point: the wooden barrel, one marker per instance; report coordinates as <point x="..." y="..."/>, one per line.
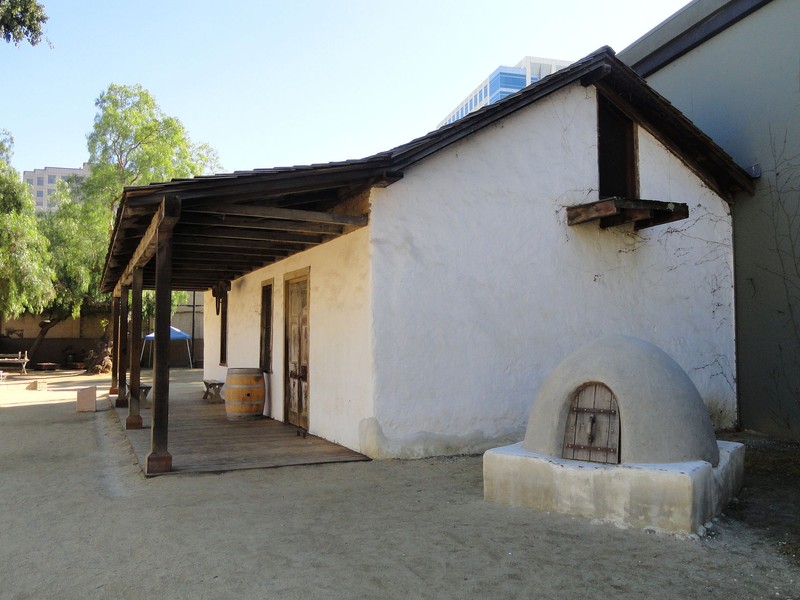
<point x="244" y="394"/>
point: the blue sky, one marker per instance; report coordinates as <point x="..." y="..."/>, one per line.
<point x="283" y="83"/>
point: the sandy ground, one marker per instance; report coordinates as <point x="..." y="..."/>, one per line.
<point x="78" y="520"/>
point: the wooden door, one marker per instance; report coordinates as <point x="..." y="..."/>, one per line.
<point x="593" y="431"/>
<point x="296" y="399"/>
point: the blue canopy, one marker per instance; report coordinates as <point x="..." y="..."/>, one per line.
<point x="174" y="334"/>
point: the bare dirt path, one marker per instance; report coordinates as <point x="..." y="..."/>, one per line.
<point x="78" y="520"/>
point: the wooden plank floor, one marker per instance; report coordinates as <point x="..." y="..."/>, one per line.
<point x="201" y="440"/>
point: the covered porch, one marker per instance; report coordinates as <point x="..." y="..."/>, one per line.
<point x="203" y="441"/>
<point x="202" y="234"/>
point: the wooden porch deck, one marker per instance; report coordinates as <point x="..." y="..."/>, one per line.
<point x="201" y="440"/>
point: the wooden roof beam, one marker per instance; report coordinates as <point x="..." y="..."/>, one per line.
<point x="230" y="244"/>
<point x="165" y="218"/>
<point x="221" y="219"/>
<point x="224" y="233"/>
<point x="249" y="210"/>
<point x="242" y="256"/>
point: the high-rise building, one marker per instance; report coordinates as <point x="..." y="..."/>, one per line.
<point x="42" y="183"/>
<point x="504" y="82"/>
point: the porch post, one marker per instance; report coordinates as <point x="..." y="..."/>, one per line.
<point x="134" y="420"/>
<point x="122" y="353"/>
<point x="114" y="344"/>
<point x="160" y="460"/>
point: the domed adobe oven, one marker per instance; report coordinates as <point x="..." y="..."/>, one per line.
<point x="619" y="432"/>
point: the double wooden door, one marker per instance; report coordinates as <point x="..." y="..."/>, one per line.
<point x="296" y="398"/>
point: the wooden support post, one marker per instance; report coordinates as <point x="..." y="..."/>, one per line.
<point x="114" y="344"/>
<point x="122" y="353"/>
<point x="134" y="419"/>
<point x="160" y="460"/>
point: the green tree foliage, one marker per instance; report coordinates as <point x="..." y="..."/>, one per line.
<point x="78" y="236"/>
<point x="21" y="20"/>
<point x="77" y="233"/>
<point x="14" y="195"/>
<point x="149" y="304"/>
<point x="51" y="265"/>
<point x="134" y="143"/>
<point x="6" y="145"/>
<point x="25" y="274"/>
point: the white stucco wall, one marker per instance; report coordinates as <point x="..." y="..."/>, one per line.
<point x="480" y="288"/>
<point x="340" y="364"/>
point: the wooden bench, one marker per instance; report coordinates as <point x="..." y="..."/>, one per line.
<point x="20" y="358"/>
<point x="213" y="389"/>
<point x="144" y="389"/>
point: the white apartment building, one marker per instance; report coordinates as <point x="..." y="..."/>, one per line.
<point x="42" y="183"/>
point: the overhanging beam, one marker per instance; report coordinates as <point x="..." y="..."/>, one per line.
<point x="250" y="234"/>
<point x="281" y="213"/>
<point x="167" y="214"/>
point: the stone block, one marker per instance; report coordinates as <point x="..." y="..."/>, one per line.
<point x="87" y="399"/>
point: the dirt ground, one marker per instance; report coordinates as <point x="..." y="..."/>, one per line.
<point x="78" y="520"/>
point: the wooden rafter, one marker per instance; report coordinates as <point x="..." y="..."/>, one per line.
<point x="221" y="220"/>
<point x="237" y="233"/>
<point x="618" y="211"/>
<point x="271" y="212"/>
<point x="223" y="245"/>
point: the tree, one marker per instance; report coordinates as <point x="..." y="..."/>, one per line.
<point x="20" y="20"/>
<point x="25" y="274"/>
<point x="6" y="146"/>
<point x="77" y="232"/>
<point x="134" y="143"/>
<point x="52" y="265"/>
<point x="13" y="192"/>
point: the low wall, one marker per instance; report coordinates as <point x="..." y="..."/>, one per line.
<point x="54" y="350"/>
<point x="57" y="350"/>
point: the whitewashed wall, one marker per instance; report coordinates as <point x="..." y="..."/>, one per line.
<point x="480" y="288"/>
<point x="340" y="364"/>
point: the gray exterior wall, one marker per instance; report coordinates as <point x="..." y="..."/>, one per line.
<point x="742" y="87"/>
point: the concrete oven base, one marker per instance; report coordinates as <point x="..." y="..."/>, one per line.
<point x="671" y="497"/>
